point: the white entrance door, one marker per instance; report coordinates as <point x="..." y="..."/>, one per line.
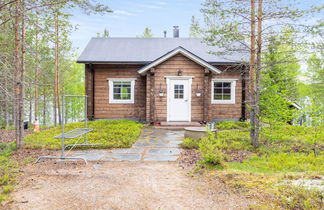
<point x="179" y="100"/>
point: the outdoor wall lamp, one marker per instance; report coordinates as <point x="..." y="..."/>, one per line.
<point x="161" y="91"/>
<point x="198" y="91"/>
<point x="179" y="72"/>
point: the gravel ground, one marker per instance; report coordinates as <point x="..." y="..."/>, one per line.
<point x="119" y="185"/>
<point x="7" y="136"/>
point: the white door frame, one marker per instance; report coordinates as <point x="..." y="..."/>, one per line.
<point x="168" y="79"/>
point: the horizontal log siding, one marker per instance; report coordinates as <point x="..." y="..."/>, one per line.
<point x="227" y="111"/>
<point x="170" y="68"/>
<point x="102" y="107"/>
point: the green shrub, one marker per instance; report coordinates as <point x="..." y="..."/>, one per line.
<point x="8" y="170"/>
<point x="209" y="149"/>
<point x="7" y="189"/>
<point x="190" y="143"/>
<point x="108" y="133"/>
<point x="226" y="125"/>
<point x="234" y="140"/>
<point x="282" y="162"/>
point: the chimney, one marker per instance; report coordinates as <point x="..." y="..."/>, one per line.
<point x="165" y="32"/>
<point x="175" y="31"/>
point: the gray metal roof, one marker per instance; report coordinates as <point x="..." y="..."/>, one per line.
<point x="145" y="50"/>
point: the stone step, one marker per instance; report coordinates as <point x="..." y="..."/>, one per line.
<point x="178" y="125"/>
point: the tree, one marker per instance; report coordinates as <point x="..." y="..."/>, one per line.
<point x="280" y="78"/>
<point x="26" y="59"/>
<point x="105" y="34"/>
<point x="146" y="34"/>
<point x="315" y="70"/>
<point x="229" y="26"/>
<point x="194" y="30"/>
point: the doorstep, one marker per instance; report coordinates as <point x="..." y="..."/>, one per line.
<point x="177" y="125"/>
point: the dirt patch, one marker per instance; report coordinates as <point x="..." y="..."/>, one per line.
<point x="237" y="155"/>
<point x="188" y="158"/>
<point x="21" y="154"/>
<point x="123" y="185"/>
<point x="7" y="136"/>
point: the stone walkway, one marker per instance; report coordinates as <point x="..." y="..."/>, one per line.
<point x="153" y="145"/>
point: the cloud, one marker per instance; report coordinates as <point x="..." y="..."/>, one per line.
<point x="161" y="3"/>
<point x="154" y="5"/>
<point x="123" y="12"/>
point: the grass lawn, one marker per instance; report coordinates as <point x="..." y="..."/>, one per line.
<point x="108" y="133"/>
<point x="287" y="155"/>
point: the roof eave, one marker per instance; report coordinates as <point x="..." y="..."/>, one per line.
<point x="184" y="52"/>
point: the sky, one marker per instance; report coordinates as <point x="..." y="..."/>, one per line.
<point x="131" y="17"/>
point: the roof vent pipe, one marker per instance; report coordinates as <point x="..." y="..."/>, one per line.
<point x="175" y="31"/>
<point x="165" y="32"/>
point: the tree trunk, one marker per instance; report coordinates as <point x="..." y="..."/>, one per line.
<point x="56" y="74"/>
<point x="6" y="102"/>
<point x="30" y="108"/>
<point x="44" y="106"/>
<point x="36" y="70"/>
<point x="22" y="74"/>
<point x="18" y="72"/>
<point x="258" y="75"/>
<point x="252" y="76"/>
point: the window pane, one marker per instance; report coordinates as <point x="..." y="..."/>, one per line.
<point x="218" y="84"/>
<point x="122" y="90"/>
<point x="228" y="91"/>
<point x="178" y="91"/>
<point x="217" y="97"/>
<point x="226" y="97"/>
<point x="222" y="91"/>
<point x="226" y="84"/>
<point x="116" y="96"/>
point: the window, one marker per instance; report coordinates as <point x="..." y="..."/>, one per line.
<point x="178" y="91"/>
<point x="223" y="91"/>
<point x="121" y="90"/>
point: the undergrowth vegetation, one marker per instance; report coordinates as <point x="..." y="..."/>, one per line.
<point x="106" y="133"/>
<point x="284" y="149"/>
<point x="8" y="170"/>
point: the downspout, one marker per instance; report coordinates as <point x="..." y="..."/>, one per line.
<point x="243" y="105"/>
<point x="93" y="89"/>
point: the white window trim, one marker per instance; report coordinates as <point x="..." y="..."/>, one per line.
<point x="233" y="89"/>
<point x="111" y="90"/>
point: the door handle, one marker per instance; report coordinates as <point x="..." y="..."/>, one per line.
<point x="186" y="100"/>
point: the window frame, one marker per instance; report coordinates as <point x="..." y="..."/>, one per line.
<point x="233" y="90"/>
<point x="111" y="91"/>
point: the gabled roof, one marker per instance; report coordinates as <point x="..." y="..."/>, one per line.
<point x="146" y="50"/>
<point x="184" y="52"/>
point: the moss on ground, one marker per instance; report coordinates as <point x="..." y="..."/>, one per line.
<point x="106" y="133"/>
<point x="286" y="152"/>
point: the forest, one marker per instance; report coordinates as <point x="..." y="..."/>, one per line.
<point x="281" y="142"/>
<point x="38" y="60"/>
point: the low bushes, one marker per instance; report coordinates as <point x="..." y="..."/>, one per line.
<point x="108" y="133"/>
<point x="225" y="125"/>
<point x="284" y="151"/>
<point x="210" y="152"/>
<point x="190" y="143"/>
<point x="8" y="170"/>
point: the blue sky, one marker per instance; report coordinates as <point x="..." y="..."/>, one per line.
<point x="130" y="17"/>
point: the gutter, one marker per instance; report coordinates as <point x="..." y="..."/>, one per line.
<point x="93" y="89"/>
<point x="243" y="105"/>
